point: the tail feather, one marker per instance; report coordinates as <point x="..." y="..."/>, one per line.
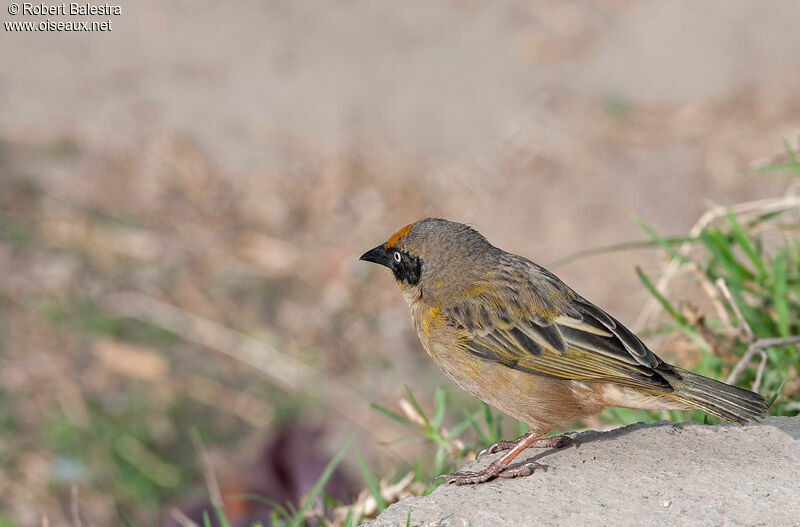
<point x="717" y="398"/>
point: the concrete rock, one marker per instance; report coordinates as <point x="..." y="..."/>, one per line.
<point x="665" y="473"/>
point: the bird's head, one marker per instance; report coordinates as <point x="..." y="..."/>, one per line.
<point x="432" y="253"/>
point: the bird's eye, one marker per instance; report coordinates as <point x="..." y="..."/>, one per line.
<point x="397" y="257"/>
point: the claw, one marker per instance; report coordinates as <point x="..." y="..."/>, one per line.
<point x="459" y="478"/>
<point x="501" y="468"/>
<point x="565" y="441"/>
<point x="522" y="470"/>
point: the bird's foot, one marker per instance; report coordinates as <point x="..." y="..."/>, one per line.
<point x="502" y="468"/>
<point x="547" y="442"/>
<point x="500" y="446"/>
<point x="495" y="469"/>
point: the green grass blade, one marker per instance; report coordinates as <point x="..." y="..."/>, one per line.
<point x="122" y="518"/>
<point x="776" y="394"/>
<point x="439" y="407"/>
<point x="484" y="440"/>
<point x="721" y="248"/>
<point x="221" y="518"/>
<point x="617" y="247"/>
<point x="493" y="423"/>
<point x="746" y="243"/>
<point x="276" y="507"/>
<point x="779" y="293"/>
<point x="439" y="460"/>
<point x="417" y="407"/>
<point x="661" y="241"/>
<point x="349" y="520"/>
<point x="792" y="157"/>
<point x="293" y="512"/>
<point x="372" y="483"/>
<point x="206" y="519"/>
<point x="791" y="166"/>
<point x="418" y="471"/>
<point x="299" y="516"/>
<point x="390" y="414"/>
<point x="679" y="318"/>
<point x="759" y="319"/>
<point x="522" y="428"/>
<point x="458" y="429"/>
<point x="684" y="324"/>
<point x="793" y="253"/>
<point x="768" y="216"/>
<point x="789" y="152"/>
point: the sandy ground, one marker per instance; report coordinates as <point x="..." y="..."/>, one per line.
<point x="282" y="139"/>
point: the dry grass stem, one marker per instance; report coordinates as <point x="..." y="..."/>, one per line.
<point x="746" y="329"/>
<point x="713" y="294"/>
<point x="367" y="506"/>
<point x="139" y="455"/>
<point x="756" y="347"/>
<point x="760" y="371"/>
<point x="74" y="508"/>
<point x="757" y="207"/>
<point x="181" y="518"/>
<point x="411" y="412"/>
<point x="210" y="476"/>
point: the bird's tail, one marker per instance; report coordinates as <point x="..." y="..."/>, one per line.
<point x="731" y="403"/>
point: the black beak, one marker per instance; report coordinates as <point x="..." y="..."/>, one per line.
<point x="377" y="255"/>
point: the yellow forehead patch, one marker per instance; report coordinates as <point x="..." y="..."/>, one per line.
<point x="392" y="242"/>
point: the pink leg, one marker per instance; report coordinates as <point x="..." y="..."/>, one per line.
<point x="500" y="468"/>
<point x="547" y="442"/>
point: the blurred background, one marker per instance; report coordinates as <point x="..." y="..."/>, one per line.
<point x="183" y="201"/>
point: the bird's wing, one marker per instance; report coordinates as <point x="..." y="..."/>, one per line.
<point x="559" y="334"/>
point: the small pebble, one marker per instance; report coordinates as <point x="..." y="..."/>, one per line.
<point x="666" y="503"/>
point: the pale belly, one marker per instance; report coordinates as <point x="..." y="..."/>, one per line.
<point x="543" y="403"/>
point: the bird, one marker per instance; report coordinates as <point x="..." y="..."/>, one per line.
<point x="512" y="334"/>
